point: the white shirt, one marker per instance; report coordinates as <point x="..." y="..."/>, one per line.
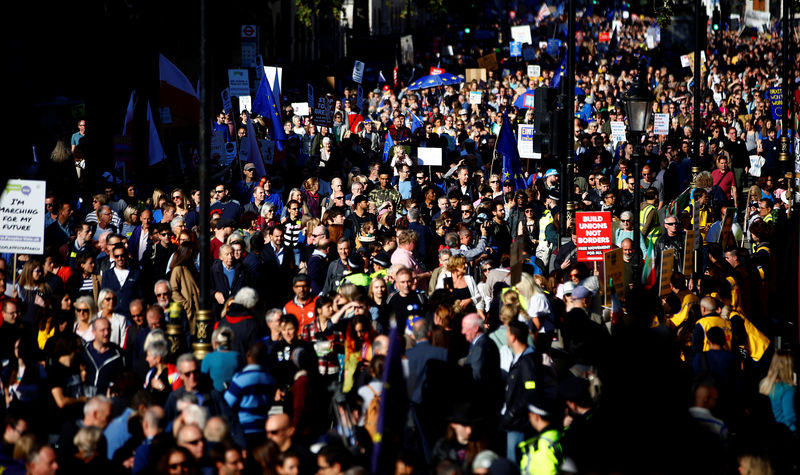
<point x="143" y="238"/>
<point x="121" y="274"/>
<point x="278" y="253"/>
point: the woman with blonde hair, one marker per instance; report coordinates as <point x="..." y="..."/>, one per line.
<point x="312" y="197"/>
<point x="461" y="285"/>
<point x="85" y="309"/>
<point x="32" y="289"/>
<point x="106" y="301"/>
<point x="779" y="386"/>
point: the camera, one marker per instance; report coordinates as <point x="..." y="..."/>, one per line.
<point x="481" y="219"/>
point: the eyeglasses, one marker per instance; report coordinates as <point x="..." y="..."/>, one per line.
<point x="276" y="431"/>
<point x="494" y="181"/>
<point x="529" y="211"/>
<point x="466" y="211"/>
<point x="625" y="220"/>
<point x="177" y="465"/>
<point x="110" y="299"/>
<point x="81" y="310"/>
<point x="192" y="373"/>
<point x="165" y="233"/>
<point x="120" y="256"/>
<point x="177" y="197"/>
<point x="294" y="209"/>
<point x="219" y="191"/>
<point x="671" y="224"/>
<point x="194" y="442"/>
<point x="162" y="294"/>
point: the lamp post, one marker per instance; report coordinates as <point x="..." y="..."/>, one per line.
<point x="638" y="100"/>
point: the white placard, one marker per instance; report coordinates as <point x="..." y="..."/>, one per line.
<point x="525" y="141"/>
<point x="618" y="131"/>
<point x="239" y="82"/>
<point x="245" y="103"/>
<point x="358" y="71"/>
<point x="661" y="124"/>
<point x="227" y="105"/>
<point x="756" y="162"/>
<point x="22" y="217"/>
<point x="534" y="71"/>
<point x="429" y="156"/>
<point x="475" y="97"/>
<point x="522" y="34"/>
<point x="300" y="108"/>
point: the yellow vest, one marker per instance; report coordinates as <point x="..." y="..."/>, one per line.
<point x="687" y="300"/>
<point x="541" y="455"/>
<point x="544" y="221"/>
<point x="757" y="342"/>
<point x="655" y="231"/>
<point x="714" y="321"/>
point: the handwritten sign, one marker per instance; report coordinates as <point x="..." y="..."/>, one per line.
<point x="661" y="124"/>
<point x="593" y="231"/>
<point x="22" y="217"/>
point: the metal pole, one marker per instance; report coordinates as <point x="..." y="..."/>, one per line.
<point x="787" y="100"/>
<point x="699" y="31"/>
<point x="202" y="344"/>
<point x="569" y="154"/>
<point x="637" y="201"/>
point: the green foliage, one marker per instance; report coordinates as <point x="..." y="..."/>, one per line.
<point x="665" y="13"/>
<point x="309" y="10"/>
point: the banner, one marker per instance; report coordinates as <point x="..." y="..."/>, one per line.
<point x="22" y="217"/>
<point x="593" y="231"/>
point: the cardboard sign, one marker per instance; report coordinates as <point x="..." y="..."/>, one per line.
<point x="525" y="141"/>
<point x="479" y="74"/>
<point x="488" y="62"/>
<point x="239" y="82"/>
<point x="614" y="269"/>
<point x="475" y="97"/>
<point x="618" y="131"/>
<point x="661" y="124"/>
<point x="776" y="102"/>
<point x="522" y="34"/>
<point x="245" y="103"/>
<point x="407" y="49"/>
<point x="667" y="256"/>
<point x="300" y="108"/>
<point x="435" y="71"/>
<point x="22" y="217"/>
<point x="593" y="230"/>
<point x="534" y="71"/>
<point x="515" y="49"/>
<point x="429" y="156"/>
<point x="688" y="253"/>
<point x="358" y="72"/>
<point x="227" y="105"/>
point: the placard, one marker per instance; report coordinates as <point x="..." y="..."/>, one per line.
<point x="688" y="253"/>
<point x="525" y="141"/>
<point x="593" y="231"/>
<point x="667" y="256"/>
<point x="488" y="62"/>
<point x="478" y="74"/>
<point x="239" y="82"/>
<point x="614" y="270"/>
<point x="661" y="124"/>
<point x="515" y="49"/>
<point x="407" y="49"/>
<point x="218" y="147"/>
<point x="323" y="111"/>
<point x="528" y="53"/>
<point x="358" y="71"/>
<point x="604" y="37"/>
<point x="434" y="71"/>
<point x="230" y="152"/>
<point x="429" y="156"/>
<point x="300" y="108"/>
<point x="310" y="95"/>
<point x="553" y="45"/>
<point x="227" y="105"/>
<point x="245" y="103"/>
<point x="522" y="33"/>
<point x="534" y="71"/>
<point x="22" y="217"/>
<point x="267" y="151"/>
<point x="475" y="97"/>
<point x="618" y="131"/>
<point x="776" y="102"/>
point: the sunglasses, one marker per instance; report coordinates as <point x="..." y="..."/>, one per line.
<point x="82" y="310"/>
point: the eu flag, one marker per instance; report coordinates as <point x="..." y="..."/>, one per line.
<point x="507" y="148"/>
<point x="562" y="70"/>
<point x="387" y="146"/>
<point x="416" y="122"/>
<point x="264" y="105"/>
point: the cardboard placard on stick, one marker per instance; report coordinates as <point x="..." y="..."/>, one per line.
<point x="516" y="251"/>
<point x="478" y="74"/>
<point x="667" y="258"/>
<point x="614" y="267"/>
<point x="489" y="62"/>
<point x="688" y="253"/>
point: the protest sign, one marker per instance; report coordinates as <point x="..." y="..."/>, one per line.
<point x="239" y="82"/>
<point x="776" y="102"/>
<point x="488" y="62"/>
<point x="230" y="152"/>
<point x="475" y="97"/>
<point x="259" y="67"/>
<point x="323" y="111"/>
<point x="522" y="33"/>
<point x="614" y="270"/>
<point x="525" y="141"/>
<point x="553" y="45"/>
<point x="429" y="156"/>
<point x="688" y="253"/>
<point x="661" y="124"/>
<point x="528" y="53"/>
<point x="407" y="49"/>
<point x="534" y="71"/>
<point x="245" y="103"/>
<point x="358" y="72"/>
<point x="267" y="151"/>
<point x="515" y="49"/>
<point x="593" y="230"/>
<point x="667" y="256"/>
<point x="310" y="95"/>
<point x="218" y="147"/>
<point x="618" y="131"/>
<point x="604" y="37"/>
<point x="434" y="71"/>
<point x="22" y="217"/>
<point x="478" y="74"/>
<point x="227" y="105"/>
<point x="300" y="108"/>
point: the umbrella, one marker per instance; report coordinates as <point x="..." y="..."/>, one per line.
<point x="434" y="80"/>
<point x="524" y="100"/>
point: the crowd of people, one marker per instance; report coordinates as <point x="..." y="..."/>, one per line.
<point x="347" y="261"/>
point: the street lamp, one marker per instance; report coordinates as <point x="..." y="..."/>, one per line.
<point x="638" y="101"/>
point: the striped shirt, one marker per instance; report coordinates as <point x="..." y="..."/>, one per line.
<point x="250" y="395"/>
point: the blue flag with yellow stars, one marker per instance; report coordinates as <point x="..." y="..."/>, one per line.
<point x="507" y="148"/>
<point x="264" y="105"/>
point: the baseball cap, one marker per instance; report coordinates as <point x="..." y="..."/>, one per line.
<point x="386" y="88"/>
<point x="581" y="292"/>
<point x="550" y="172"/>
<point x="249" y="166"/>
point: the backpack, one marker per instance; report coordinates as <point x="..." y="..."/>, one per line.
<point x="373" y="413"/>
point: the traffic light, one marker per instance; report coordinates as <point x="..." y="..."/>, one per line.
<point x="544" y="105"/>
<point x="715" y="19"/>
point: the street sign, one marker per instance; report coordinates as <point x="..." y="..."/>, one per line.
<point x="249" y="31"/>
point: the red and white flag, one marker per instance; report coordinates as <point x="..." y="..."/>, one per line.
<point x="544" y="12"/>
<point x="155" y="151"/>
<point x="177" y="93"/>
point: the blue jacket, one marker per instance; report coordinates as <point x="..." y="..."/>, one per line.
<point x="250" y="395"/>
<point x="127" y="292"/>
